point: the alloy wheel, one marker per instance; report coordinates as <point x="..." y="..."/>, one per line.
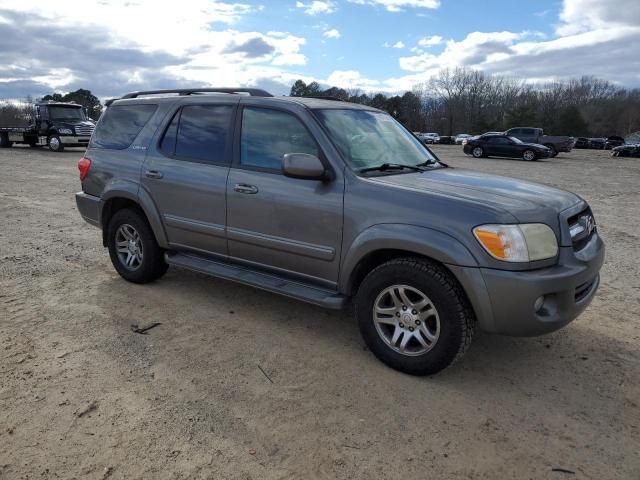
<point x="406" y="320"/>
<point x="129" y="247"/>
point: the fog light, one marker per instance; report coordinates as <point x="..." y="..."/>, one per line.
<point x="539" y="303"/>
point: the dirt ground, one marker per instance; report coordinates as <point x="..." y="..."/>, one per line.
<point x="241" y="384"/>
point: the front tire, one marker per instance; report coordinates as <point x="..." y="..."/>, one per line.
<point x="554" y="152"/>
<point x="133" y="249"/>
<point x="529" y="155"/>
<point x="414" y="316"/>
<point x="54" y="143"/>
<point x="477" y="152"/>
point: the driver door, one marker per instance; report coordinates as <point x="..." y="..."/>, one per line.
<point x="288" y="225"/>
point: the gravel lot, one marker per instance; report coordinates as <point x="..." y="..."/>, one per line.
<point x="241" y="384"/>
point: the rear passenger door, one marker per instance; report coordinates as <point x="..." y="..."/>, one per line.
<point x="289" y="225"/>
<point x="186" y="172"/>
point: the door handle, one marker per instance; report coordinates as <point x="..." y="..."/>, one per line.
<point x="244" y="188"/>
<point x="153" y="174"/>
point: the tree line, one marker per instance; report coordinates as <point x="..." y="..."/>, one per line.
<point x="469" y="101"/>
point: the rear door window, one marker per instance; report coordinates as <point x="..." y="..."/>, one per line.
<point x="199" y="133"/>
<point x="120" y="125"/>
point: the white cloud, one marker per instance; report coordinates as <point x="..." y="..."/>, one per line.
<point x="316" y="6"/>
<point x="430" y="41"/>
<point x="351" y="79"/>
<point x="582" y="15"/>
<point x="290" y="59"/>
<point x="204" y="44"/>
<point x="399" y="5"/>
<point x="333" y="33"/>
<point x="171" y="30"/>
<point x="177" y="47"/>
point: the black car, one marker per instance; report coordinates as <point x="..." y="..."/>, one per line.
<point x="631" y="150"/>
<point x="505" y="146"/>
<point x="581" y="142"/>
<point x="447" y="140"/>
<point x="597" y="143"/>
<point x="613" y="141"/>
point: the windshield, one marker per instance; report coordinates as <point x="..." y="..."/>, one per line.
<point x="369" y="139"/>
<point x="515" y="140"/>
<point x="66" y="113"/>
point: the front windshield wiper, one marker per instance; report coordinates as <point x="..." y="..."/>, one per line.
<point x="392" y="166"/>
<point x="431" y="163"/>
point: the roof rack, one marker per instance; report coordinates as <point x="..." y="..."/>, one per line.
<point x="325" y="97"/>
<point x="254" y="92"/>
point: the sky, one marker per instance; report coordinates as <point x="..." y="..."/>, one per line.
<point x="116" y="46"/>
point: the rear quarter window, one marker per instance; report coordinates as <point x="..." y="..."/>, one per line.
<point x="120" y="125"/>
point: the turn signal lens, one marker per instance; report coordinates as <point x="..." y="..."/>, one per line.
<point x="518" y="243"/>
<point x="504" y="242"/>
<point x="83" y="166"/>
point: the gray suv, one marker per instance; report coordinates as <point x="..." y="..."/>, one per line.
<point x="336" y="204"/>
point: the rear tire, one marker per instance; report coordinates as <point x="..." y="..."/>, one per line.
<point x="133" y="249"/>
<point x="54" y="143"/>
<point x="4" y="140"/>
<point x="529" y="155"/>
<point x="477" y="152"/>
<point x="438" y="321"/>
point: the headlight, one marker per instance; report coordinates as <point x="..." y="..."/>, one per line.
<point x="65" y="131"/>
<point x="527" y="242"/>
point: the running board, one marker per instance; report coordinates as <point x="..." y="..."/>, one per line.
<point x="264" y="281"/>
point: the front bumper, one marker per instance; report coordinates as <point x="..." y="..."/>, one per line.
<point x="90" y="207"/>
<point x="74" y="141"/>
<point x="504" y="301"/>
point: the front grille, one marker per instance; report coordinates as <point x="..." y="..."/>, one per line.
<point x="582" y="226"/>
<point x="84" y="130"/>
<point x="583" y="290"/>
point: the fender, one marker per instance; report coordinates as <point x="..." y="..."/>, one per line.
<point x="420" y="240"/>
<point x="130" y="191"/>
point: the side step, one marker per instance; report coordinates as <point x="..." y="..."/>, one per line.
<point x="261" y="280"/>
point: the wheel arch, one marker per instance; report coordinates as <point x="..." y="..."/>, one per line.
<point x="115" y="200"/>
<point x="381" y="243"/>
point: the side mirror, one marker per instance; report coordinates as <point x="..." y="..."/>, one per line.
<point x="303" y="166"/>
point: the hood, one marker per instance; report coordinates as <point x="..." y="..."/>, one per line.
<point x="535" y="145"/>
<point x="522" y="199"/>
<point x="74" y="123"/>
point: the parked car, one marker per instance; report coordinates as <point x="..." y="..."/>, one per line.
<point x="446" y="140"/>
<point x="536" y="135"/>
<point x="628" y="150"/>
<point x="581" y="142"/>
<point x="597" y="143"/>
<point x="305" y="198"/>
<point x="613" y="141"/>
<point x="430" y="138"/>
<point x="461" y="137"/>
<point x="504" y="146"/>
<point x="54" y="124"/>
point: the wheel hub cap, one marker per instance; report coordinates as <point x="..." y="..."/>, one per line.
<point x="406" y="320"/>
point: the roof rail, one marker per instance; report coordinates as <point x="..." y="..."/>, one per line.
<point x="325" y="97"/>
<point x="254" y="92"/>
